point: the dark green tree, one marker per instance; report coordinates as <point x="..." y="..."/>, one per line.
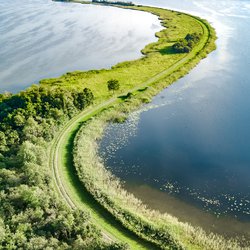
<point x="186" y="45"/>
<point x="113" y="85"/>
<point x="3" y="143"/>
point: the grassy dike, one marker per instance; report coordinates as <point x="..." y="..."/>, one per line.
<point x="89" y="186"/>
<point x="73" y="192"/>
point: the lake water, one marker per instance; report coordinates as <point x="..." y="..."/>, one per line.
<point x="188" y="152"/>
<point x="41" y="38"/>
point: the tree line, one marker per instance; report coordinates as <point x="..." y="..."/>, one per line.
<point x="122" y="3"/>
<point x="31" y="214"/>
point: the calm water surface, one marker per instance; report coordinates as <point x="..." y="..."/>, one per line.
<point x="193" y="141"/>
<point x="41" y="38"/>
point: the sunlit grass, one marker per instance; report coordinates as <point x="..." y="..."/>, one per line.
<point x="157" y="57"/>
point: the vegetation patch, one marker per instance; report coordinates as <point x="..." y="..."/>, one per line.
<point x="32" y="216"/>
<point x="122" y="3"/>
<point x="186" y="45"/>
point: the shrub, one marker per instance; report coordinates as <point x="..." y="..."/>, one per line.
<point x="186" y="45"/>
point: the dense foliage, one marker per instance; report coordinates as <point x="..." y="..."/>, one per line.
<point x="31" y="215"/>
<point x="113" y="85"/>
<point x="186" y="45"/>
<point x="37" y="113"/>
<point x="122" y="3"/>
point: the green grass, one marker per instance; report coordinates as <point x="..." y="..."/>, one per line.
<point x="84" y="200"/>
<point x="158" y="57"/>
<point x="70" y="187"/>
<point x="144" y="78"/>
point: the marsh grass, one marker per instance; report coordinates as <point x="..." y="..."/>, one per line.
<point x="162" y="229"/>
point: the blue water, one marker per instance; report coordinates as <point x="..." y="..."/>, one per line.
<point x="193" y="140"/>
<point x="41" y="38"/>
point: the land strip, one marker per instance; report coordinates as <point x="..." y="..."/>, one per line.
<point x="65" y="177"/>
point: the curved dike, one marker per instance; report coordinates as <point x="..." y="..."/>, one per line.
<point x="66" y="180"/>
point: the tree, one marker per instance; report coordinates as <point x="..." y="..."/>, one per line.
<point x="83" y="99"/>
<point x="186" y="45"/>
<point x="19" y="120"/>
<point x="113" y="85"/>
<point x="31" y="130"/>
<point x="3" y="143"/>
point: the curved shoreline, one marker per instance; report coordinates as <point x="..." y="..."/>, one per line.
<point x="155" y="199"/>
<point x="153" y="92"/>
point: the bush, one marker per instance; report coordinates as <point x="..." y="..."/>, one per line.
<point x="31" y="215"/>
<point x="186" y="45"/>
<point x="113" y="85"/>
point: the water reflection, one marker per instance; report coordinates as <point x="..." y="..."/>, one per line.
<point x="46" y="39"/>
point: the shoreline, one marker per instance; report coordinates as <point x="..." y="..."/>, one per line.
<point x="101" y="54"/>
<point x="99" y="139"/>
<point x="226" y="226"/>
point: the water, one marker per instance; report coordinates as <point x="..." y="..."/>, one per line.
<point x="192" y="142"/>
<point x="41" y="39"/>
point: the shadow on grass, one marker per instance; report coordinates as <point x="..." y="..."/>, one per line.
<point x="167" y="51"/>
<point x="143" y="89"/>
<point x="128" y="96"/>
<point x="123" y="97"/>
<point x="89" y="200"/>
